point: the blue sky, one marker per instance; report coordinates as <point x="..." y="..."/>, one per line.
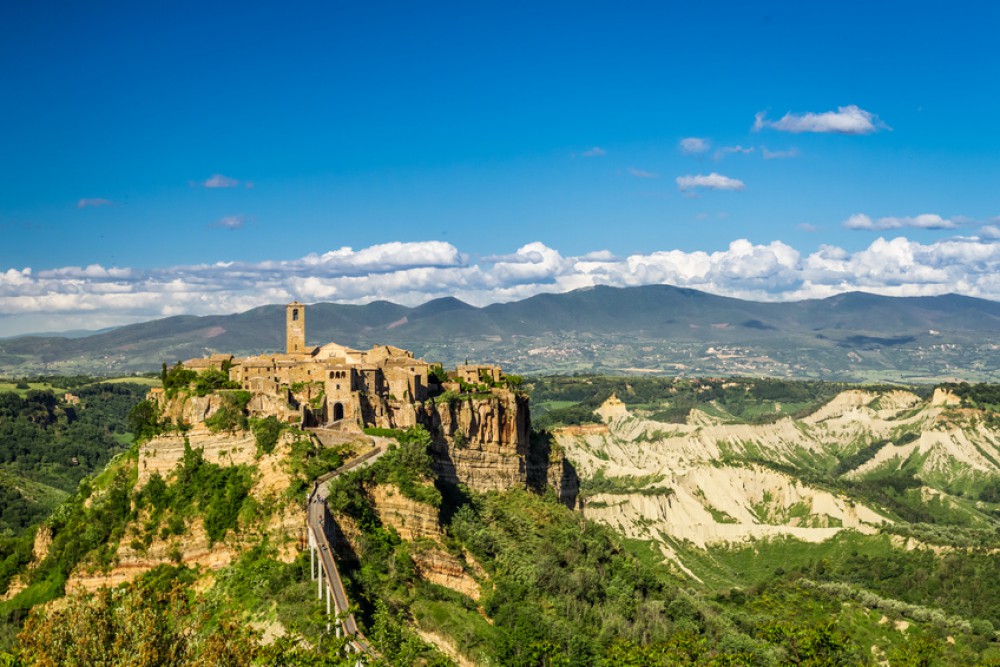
<point x="164" y="158"/>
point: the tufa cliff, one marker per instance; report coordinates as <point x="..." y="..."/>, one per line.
<point x="479" y="420"/>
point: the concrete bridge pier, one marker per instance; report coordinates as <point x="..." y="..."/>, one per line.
<point x="312" y="556"/>
<point x="329" y="594"/>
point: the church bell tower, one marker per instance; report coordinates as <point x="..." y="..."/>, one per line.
<point x="295" y="328"/>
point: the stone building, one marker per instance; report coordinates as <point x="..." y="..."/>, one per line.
<point x="331" y="384"/>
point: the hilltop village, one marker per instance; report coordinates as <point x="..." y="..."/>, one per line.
<point x="479" y="420"/>
<point x="333" y="386"/>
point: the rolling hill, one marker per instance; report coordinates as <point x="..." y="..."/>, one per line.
<point x="654" y="328"/>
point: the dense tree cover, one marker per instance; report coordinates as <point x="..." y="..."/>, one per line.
<point x="231" y="415"/>
<point x="562" y="590"/>
<point x="965" y="583"/>
<point x="308" y="460"/>
<point x="980" y="395"/>
<point x="407" y="465"/>
<point x="804" y="624"/>
<point x="93" y="522"/>
<point x="16" y="510"/>
<point x="144" y="420"/>
<point x="559" y="589"/>
<point x="89" y="524"/>
<point x="177" y="378"/>
<point x="156" y="622"/>
<point x="54" y="443"/>
<point x="66" y="382"/>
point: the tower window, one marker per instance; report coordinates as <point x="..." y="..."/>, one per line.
<point x="295" y="315"/>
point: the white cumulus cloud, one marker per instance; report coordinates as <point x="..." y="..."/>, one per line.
<point x="642" y="173"/>
<point x="845" y="120"/>
<point x="733" y="150"/>
<point x="779" y="155"/>
<point x="410" y="273"/>
<point x="231" y="222"/>
<point x="712" y="181"/>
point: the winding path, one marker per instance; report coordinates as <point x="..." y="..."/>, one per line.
<point x="321" y="553"/>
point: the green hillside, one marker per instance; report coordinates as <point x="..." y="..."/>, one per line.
<point x="802" y="547"/>
<point x="48" y="443"/>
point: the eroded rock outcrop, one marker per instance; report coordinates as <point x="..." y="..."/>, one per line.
<point x="481" y="442"/>
<point x="411" y="519"/>
<point x="163" y="453"/>
<point x="484" y="441"/>
<point x="138" y="553"/>
<point x="185" y="408"/>
<point x="416" y="521"/>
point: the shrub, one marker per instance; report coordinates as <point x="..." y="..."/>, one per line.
<point x="231" y="415"/>
<point x="211" y="380"/>
<point x="144" y="420"/>
<point x="266" y="431"/>
<point x="383" y="432"/>
<point x="177" y="378"/>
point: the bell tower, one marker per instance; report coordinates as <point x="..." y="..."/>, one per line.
<point x="295" y="328"/>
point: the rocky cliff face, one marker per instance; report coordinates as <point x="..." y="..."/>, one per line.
<point x="163" y="453"/>
<point x="185" y="408"/>
<point x="484" y="442"/>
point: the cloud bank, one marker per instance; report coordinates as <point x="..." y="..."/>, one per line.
<point x="411" y="273"/>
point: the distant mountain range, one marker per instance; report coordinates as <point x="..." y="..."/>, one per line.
<point x="655" y="328"/>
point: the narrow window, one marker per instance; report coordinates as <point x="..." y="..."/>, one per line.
<point x="295" y="315"/>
